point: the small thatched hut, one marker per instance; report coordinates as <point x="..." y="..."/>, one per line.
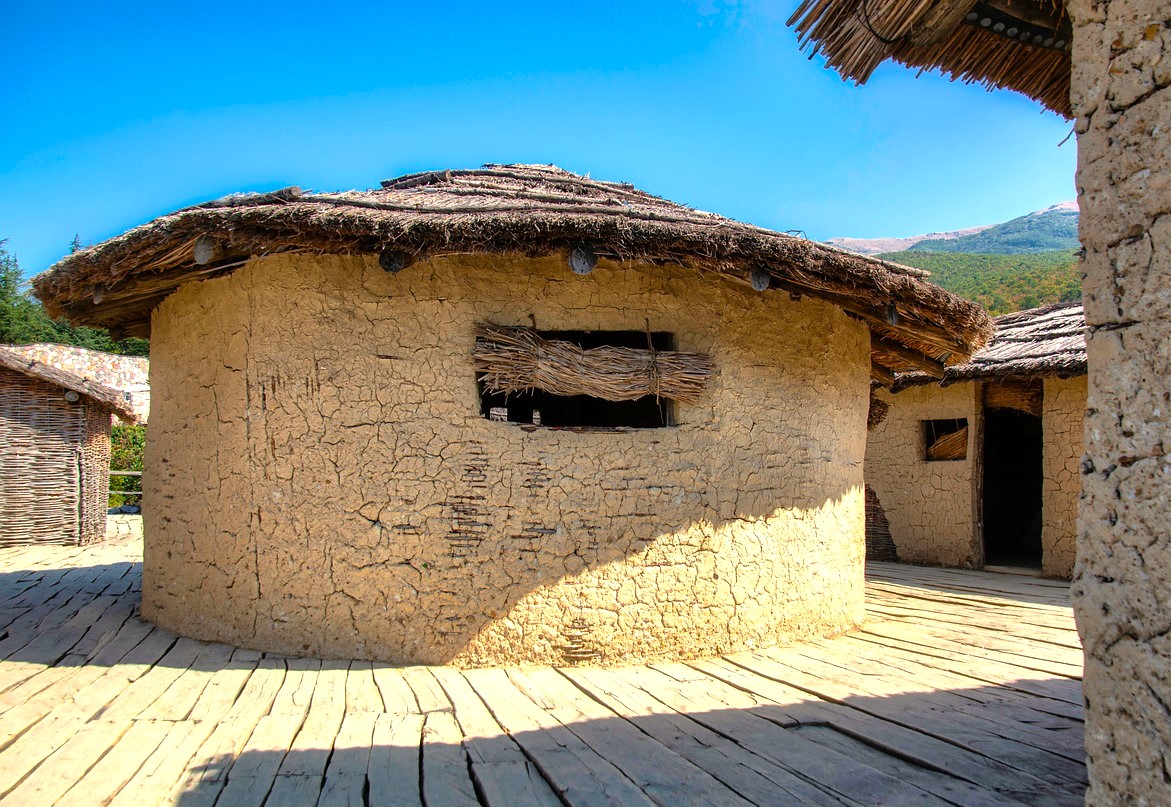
<point x="503" y="415"/>
<point x="983" y="467"/>
<point x="55" y="444"/>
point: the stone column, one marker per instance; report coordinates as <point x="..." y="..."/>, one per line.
<point x="1122" y="584"/>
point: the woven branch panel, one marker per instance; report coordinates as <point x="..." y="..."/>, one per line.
<point x="95" y="474"/>
<point x="518" y="360"/>
<point x="48" y="451"/>
<point x="879" y="543"/>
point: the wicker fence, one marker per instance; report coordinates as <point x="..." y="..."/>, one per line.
<point x="54" y="456"/>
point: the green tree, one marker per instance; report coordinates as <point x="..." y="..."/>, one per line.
<point x="23" y="319"/>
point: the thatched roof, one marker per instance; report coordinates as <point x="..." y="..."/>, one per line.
<point x="1048" y="341"/>
<point x="1023" y="45"/>
<point x="126" y="374"/>
<point x="115" y="400"/>
<point x="530" y="210"/>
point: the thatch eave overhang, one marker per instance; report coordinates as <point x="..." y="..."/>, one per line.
<point x="527" y="210"/>
<point x="1021" y="45"/>
<point x="1046" y="342"/>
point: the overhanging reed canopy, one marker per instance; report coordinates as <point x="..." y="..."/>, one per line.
<point x="1023" y="45"/>
<point x="1040" y="342"/>
<point x="521" y="209"/>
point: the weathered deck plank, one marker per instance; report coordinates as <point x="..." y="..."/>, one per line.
<point x="962" y="689"/>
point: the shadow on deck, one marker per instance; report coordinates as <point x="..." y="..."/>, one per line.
<point x="963" y="689"/>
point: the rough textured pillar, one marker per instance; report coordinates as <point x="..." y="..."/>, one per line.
<point x="1122" y="585"/>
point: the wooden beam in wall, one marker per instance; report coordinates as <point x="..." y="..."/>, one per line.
<point x="915" y="330"/>
<point x="207" y="250"/>
<point x="939" y="21"/>
<point x="1034" y="13"/>
<point x="882" y="375"/>
<point x="133" y="298"/>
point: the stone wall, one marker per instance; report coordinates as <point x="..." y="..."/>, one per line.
<point x="1063" y="422"/>
<point x="929" y="504"/>
<point x="320" y="480"/>
<point x="1121" y="92"/>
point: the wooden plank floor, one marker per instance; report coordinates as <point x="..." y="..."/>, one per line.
<point x="962" y="689"/>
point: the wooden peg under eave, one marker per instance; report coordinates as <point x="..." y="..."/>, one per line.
<point x="207" y="249"/>
<point x="582" y="260"/>
<point x="392" y="261"/>
<point x="761" y="279"/>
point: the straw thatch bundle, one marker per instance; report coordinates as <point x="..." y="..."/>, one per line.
<point x="1022" y="396"/>
<point x="951" y="446"/>
<point x="520" y="360"/>
<point x="518" y="209"/>
<point x="877" y="412"/>
<point x="1040" y="342"/>
<point x="1022" y="45"/>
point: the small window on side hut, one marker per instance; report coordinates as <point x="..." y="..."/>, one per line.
<point x="584" y="379"/>
<point x="945" y="439"/>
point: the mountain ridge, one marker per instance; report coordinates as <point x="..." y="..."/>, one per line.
<point x="1046" y="230"/>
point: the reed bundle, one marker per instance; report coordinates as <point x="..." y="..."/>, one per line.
<point x="953" y="446"/>
<point x="877" y="413"/>
<point x="514" y="360"/>
<point x="1023" y="397"/>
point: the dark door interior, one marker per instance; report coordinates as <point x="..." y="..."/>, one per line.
<point x="1013" y="476"/>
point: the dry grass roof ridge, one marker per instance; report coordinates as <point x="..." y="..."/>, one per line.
<point x="530" y="210"/>
<point x="113" y="399"/>
<point x="1037" y="343"/>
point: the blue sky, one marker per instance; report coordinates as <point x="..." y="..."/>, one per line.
<point x="116" y="113"/>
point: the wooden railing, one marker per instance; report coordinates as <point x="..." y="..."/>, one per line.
<point x="134" y="494"/>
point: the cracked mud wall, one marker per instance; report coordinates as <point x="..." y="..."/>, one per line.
<point x="320" y="479"/>
<point x="929" y="504"/>
<point x="1121" y="92"/>
<point x="1063" y="421"/>
<point x="933" y="507"/>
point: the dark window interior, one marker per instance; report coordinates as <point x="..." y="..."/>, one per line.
<point x="540" y="408"/>
<point x="1013" y="478"/>
<point x="945" y="439"/>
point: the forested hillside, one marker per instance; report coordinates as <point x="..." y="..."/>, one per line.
<point x="1001" y="283"/>
<point x="23" y="320"/>
<point x="1054" y="228"/>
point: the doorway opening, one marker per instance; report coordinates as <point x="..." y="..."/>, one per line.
<point x="1013" y="481"/>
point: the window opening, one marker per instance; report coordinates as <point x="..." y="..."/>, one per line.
<point x="945" y="439"/>
<point x="536" y="407"/>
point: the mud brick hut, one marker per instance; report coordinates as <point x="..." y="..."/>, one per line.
<point x="1115" y="82"/>
<point x="983" y="467"/>
<point x="503" y="415"/>
<point x="55" y="445"/>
